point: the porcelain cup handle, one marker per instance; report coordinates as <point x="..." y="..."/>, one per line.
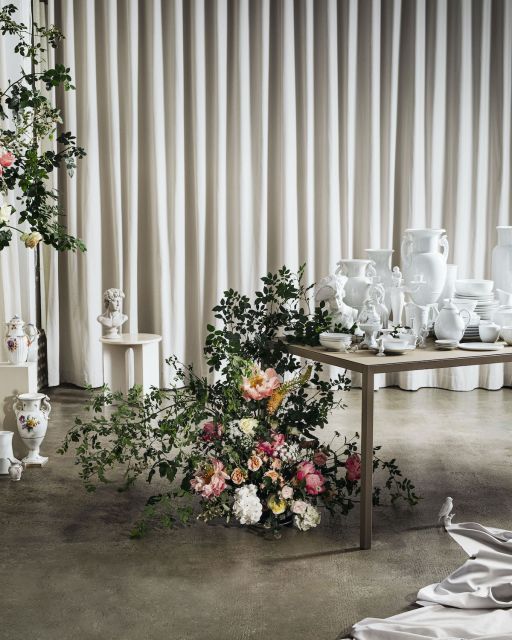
<point x="466" y="322"/>
<point x="405" y="251"/>
<point x="445" y="246"/>
<point x="17" y="405"/>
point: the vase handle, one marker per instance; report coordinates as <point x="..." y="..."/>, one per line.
<point x="370" y="271"/>
<point x="445" y="247"/>
<point x="17" y="406"/>
<point x="405" y="251"/>
<point x="466" y="322"/>
<point x="46" y="406"/>
<point x="342" y="268"/>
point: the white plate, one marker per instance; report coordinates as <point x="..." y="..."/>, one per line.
<point x="481" y="346"/>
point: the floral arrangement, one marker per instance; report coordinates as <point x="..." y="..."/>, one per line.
<point x="29" y="121"/>
<point x="247" y="445"/>
<point x="28" y="423"/>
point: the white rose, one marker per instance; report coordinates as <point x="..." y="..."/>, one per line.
<point x="5" y="212"/>
<point x="31" y="239"/>
<point x="248" y="425"/>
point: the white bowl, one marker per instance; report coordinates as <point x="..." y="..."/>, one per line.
<point x="474" y="287"/>
<point x="506" y="334"/>
<point x="395" y="344"/>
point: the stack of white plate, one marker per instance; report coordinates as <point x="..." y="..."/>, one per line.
<point x="480" y="291"/>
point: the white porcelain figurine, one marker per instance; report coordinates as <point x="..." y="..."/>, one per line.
<point x="397" y="296"/>
<point x="112" y="318"/>
<point x="331" y="291"/>
<point x="377" y="294"/>
<point x="15" y="470"/>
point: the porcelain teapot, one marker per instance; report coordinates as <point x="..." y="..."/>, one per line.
<point x="17" y="341"/>
<point x="451" y="323"/>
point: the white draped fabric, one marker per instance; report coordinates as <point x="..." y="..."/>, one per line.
<point x="226" y="138"/>
<point x="474" y="602"/>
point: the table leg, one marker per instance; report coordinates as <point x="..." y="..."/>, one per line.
<point x="365" y="531"/>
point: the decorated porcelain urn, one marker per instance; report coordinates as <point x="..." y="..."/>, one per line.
<point x="17" y="341"/>
<point x="32" y="411"/>
<point x="424" y="255"/>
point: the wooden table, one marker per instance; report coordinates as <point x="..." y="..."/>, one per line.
<point x="368" y="364"/>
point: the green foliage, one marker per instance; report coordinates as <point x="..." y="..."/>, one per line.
<point x="28" y="119"/>
<point x="161" y="434"/>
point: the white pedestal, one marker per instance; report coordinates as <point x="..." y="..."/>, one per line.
<point x="133" y="358"/>
<point x="15" y="379"/>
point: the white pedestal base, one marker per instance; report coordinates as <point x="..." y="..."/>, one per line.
<point x="130" y="359"/>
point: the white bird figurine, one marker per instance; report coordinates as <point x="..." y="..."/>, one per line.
<point x="446" y="509"/>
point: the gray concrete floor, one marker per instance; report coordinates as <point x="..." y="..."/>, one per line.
<point x="69" y="569"/>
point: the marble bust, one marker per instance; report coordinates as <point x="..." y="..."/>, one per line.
<point x="112" y="317"/>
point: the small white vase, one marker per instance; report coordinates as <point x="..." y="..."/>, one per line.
<point x="502" y="260"/>
<point x="32" y="411"/>
<point x="382" y="260"/>
<point x="424" y="254"/>
<point x="358" y="283"/>
<point x="6" y="453"/>
<point x="449" y="284"/>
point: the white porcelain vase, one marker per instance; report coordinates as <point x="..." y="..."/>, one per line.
<point x="32" y="412"/>
<point x="382" y="261"/>
<point x="424" y="253"/>
<point x="451" y="323"/>
<point x="6" y="453"/>
<point x="358" y="283"/>
<point x="502" y="260"/>
<point x="449" y="284"/>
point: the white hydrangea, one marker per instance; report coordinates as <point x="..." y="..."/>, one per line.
<point x="307" y="520"/>
<point x="247" y="506"/>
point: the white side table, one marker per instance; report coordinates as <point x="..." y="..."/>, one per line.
<point x="133" y="358"/>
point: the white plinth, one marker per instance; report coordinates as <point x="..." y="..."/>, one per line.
<point x="133" y="358"/>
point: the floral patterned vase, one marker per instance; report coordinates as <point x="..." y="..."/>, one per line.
<point x="32" y="411"/>
<point x="17" y="341"/>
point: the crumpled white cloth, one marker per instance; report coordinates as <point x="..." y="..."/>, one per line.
<point x="472" y="603"/>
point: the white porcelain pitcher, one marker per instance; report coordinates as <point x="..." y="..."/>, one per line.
<point x="451" y="323"/>
<point x="17" y="341"/>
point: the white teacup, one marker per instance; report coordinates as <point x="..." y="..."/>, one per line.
<point x="488" y="331"/>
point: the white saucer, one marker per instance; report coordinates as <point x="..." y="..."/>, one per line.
<point x="481" y="346"/>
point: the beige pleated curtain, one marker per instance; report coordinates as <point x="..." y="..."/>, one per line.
<point x="226" y="138"/>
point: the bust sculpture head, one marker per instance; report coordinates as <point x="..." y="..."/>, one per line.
<point x="112" y="317"/>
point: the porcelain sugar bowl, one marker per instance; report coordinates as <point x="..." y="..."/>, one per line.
<point x="17" y="341"/>
<point x="32" y="411"/>
<point x="451" y="323"/>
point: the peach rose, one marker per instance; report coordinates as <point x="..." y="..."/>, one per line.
<point x="238" y="476"/>
<point x="254" y="463"/>
<point x="32" y="239"/>
<point x="273" y="475"/>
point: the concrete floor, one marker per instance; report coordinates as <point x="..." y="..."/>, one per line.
<point x="70" y="571"/>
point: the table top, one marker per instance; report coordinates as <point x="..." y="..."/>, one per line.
<point x="428" y="358"/>
<point x="127" y="339"/>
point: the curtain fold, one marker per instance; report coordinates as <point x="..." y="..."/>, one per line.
<point x="228" y="137"/>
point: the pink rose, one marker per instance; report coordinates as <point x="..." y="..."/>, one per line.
<point x="260" y="384"/>
<point x="278" y="441"/>
<point x="353" y="467"/>
<point x="320" y="458"/>
<point x="287" y="492"/>
<point x="266" y="447"/>
<point x="211" y="431"/>
<point x="7" y="159"/>
<point x="299" y="507"/>
<point x="304" y="469"/>
<point x="315" y="484"/>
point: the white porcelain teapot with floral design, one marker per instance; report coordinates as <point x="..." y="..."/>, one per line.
<point x="17" y="341"/>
